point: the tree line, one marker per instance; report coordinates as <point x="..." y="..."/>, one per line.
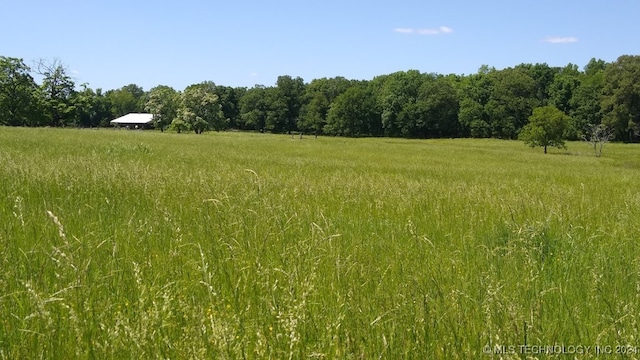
<point x="412" y="104"/>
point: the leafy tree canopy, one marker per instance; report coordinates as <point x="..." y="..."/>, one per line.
<point x="17" y="93"/>
<point x="546" y="127"/>
<point x="622" y="96"/>
<point x="201" y="109"/>
<point x="163" y="102"/>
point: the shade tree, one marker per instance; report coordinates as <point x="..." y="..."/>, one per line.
<point x="564" y="85"/>
<point x="543" y="77"/>
<point x="56" y="92"/>
<point x="92" y="107"/>
<point x="18" y="90"/>
<point x="200" y="109"/>
<point x="433" y="114"/>
<point x="285" y="102"/>
<point x="229" y="98"/>
<point x="586" y="100"/>
<point x="511" y="100"/>
<point x="547" y="126"/>
<point x="621" y="100"/>
<point x="253" y="108"/>
<point x="394" y="92"/>
<point x="353" y="113"/>
<point x="319" y="95"/>
<point x="474" y="94"/>
<point x="127" y="99"/>
<point x="163" y="102"/>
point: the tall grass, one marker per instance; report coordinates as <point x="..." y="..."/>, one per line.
<point x="128" y="244"/>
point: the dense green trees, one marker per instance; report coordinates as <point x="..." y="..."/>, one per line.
<point x="394" y="93"/>
<point x="622" y="96"/>
<point x="563" y="87"/>
<point x="127" y="99"/>
<point x="353" y="113"/>
<point x="92" y="108"/>
<point x="17" y="93"/>
<point x="57" y="91"/>
<point x="585" y="104"/>
<point x="433" y="113"/>
<point x="255" y="107"/>
<point x="497" y="103"/>
<point x="490" y="103"/>
<point x="543" y="77"/>
<point x="319" y="95"/>
<point x="285" y="104"/>
<point x="513" y="96"/>
<point x="474" y="93"/>
<point x="229" y="98"/>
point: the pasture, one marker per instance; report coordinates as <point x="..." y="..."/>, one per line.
<point x="130" y="244"/>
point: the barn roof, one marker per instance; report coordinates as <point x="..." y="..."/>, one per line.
<point x="133" y="118"/>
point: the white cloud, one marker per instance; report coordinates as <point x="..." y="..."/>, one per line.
<point x="254" y="74"/>
<point x="560" y="40"/>
<point x="428" y="31"/>
<point x="425" y="31"/>
<point x="403" y="30"/>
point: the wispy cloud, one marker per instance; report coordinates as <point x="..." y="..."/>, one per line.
<point x="560" y="40"/>
<point x="404" y="30"/>
<point x="427" y="31"/>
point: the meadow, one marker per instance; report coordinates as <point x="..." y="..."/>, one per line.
<point x="132" y="244"/>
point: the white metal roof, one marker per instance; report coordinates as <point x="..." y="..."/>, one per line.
<point x="133" y="118"/>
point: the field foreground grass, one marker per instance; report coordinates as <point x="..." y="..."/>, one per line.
<point x="128" y="244"/>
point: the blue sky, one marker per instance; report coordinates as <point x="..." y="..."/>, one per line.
<point x="112" y="43"/>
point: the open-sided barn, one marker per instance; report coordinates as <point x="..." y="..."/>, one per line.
<point x="134" y="121"/>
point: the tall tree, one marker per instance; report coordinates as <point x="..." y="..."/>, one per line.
<point x="128" y="99"/>
<point x="314" y="112"/>
<point x="513" y="96"/>
<point x="394" y="92"/>
<point x="586" y="100"/>
<point x="547" y="126"/>
<point x="57" y="90"/>
<point x="442" y="107"/>
<point x="319" y="95"/>
<point x="475" y="93"/>
<point x="201" y="109"/>
<point x="353" y="113"/>
<point x="17" y="93"/>
<point x="621" y="99"/>
<point x="285" y="104"/>
<point x="543" y="76"/>
<point x="253" y="109"/>
<point x="229" y="98"/>
<point x="135" y="90"/>
<point x="434" y="113"/>
<point x="595" y="66"/>
<point x="163" y="102"/>
<point x="92" y="108"/>
<point x="564" y="84"/>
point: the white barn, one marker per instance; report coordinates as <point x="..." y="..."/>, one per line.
<point x="134" y="120"/>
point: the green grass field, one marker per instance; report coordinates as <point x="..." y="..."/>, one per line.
<point x="130" y="245"/>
